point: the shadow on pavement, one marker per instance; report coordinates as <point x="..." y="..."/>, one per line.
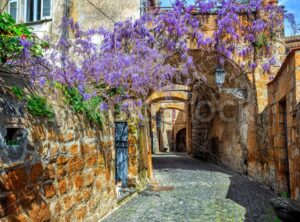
<point x="247" y="193"/>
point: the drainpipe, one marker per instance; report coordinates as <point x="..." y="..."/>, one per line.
<point x="66" y="14"/>
<point x="143" y="7"/>
<point x="65" y="31"/>
<point x="142" y="4"/>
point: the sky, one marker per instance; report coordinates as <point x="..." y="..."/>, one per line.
<point x="291" y="6"/>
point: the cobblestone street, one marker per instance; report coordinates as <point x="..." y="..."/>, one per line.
<point x="202" y="192"/>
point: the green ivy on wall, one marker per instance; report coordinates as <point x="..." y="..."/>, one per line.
<point x="38" y="106"/>
<point x="35" y="104"/>
<point x="18" y="92"/>
<point x="90" y="107"/>
<point x="261" y="41"/>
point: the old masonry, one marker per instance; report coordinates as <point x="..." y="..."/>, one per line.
<point x="65" y="169"/>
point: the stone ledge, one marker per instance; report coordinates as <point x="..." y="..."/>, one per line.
<point x="292" y="41"/>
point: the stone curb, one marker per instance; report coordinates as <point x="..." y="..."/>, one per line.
<point x="122" y="202"/>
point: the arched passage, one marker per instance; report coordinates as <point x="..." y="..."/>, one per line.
<point x="168" y="95"/>
<point x="171" y="121"/>
<point x="220" y="123"/>
<point x="216" y="121"/>
<point x="170" y="112"/>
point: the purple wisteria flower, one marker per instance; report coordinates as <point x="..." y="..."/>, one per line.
<point x="104" y="107"/>
<point x="140" y="56"/>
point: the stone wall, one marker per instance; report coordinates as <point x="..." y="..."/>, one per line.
<point x="221" y="121"/>
<point x="228" y="137"/>
<point x="259" y="159"/>
<point x="104" y="13"/>
<point x="283" y="129"/>
<point x="220" y="130"/>
<point x="139" y="153"/>
<point x="234" y="143"/>
<point x="201" y="123"/>
<point x="275" y="160"/>
<point x="66" y="172"/>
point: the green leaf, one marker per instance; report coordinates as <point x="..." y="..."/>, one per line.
<point x="38" y="106"/>
<point x="18" y="92"/>
<point x="10" y="39"/>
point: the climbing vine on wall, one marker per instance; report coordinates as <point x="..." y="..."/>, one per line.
<point x="18" y="92"/>
<point x="88" y="107"/>
<point x="140" y="56"/>
<point x="36" y="105"/>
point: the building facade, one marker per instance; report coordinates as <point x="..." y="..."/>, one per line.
<point x="283" y="95"/>
<point x="45" y="16"/>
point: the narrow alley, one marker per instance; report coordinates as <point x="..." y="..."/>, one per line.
<point x="149" y="110"/>
<point x="202" y="192"/>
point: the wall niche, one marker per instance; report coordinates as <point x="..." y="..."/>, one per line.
<point x="13" y="144"/>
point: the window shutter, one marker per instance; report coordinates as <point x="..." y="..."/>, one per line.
<point x="13" y="9"/>
<point x="46" y="8"/>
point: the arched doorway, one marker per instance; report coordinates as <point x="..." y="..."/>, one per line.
<point x="181" y="141"/>
<point x="170" y="112"/>
<point x="169" y="121"/>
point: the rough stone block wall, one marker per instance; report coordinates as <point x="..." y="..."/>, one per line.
<point x="277" y="157"/>
<point x="201" y="123"/>
<point x="220" y="121"/>
<point x="281" y="90"/>
<point x="242" y="143"/>
<point x="67" y="171"/>
<point x="139" y="169"/>
<point x="228" y="144"/>
<point x="263" y="169"/>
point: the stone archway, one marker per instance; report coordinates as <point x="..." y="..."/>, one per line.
<point x="170" y="110"/>
<point x="221" y="123"/>
<point x="218" y="126"/>
<point x="168" y="95"/>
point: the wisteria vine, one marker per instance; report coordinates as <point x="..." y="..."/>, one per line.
<point x="140" y="56"/>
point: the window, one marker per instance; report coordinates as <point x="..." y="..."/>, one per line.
<point x="46" y="6"/>
<point x="36" y="10"/>
<point x="12" y="9"/>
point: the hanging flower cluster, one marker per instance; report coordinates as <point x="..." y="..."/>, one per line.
<point x="140" y="56"/>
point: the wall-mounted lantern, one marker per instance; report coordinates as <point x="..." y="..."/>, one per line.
<point x="220" y="80"/>
<point x="220" y="76"/>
